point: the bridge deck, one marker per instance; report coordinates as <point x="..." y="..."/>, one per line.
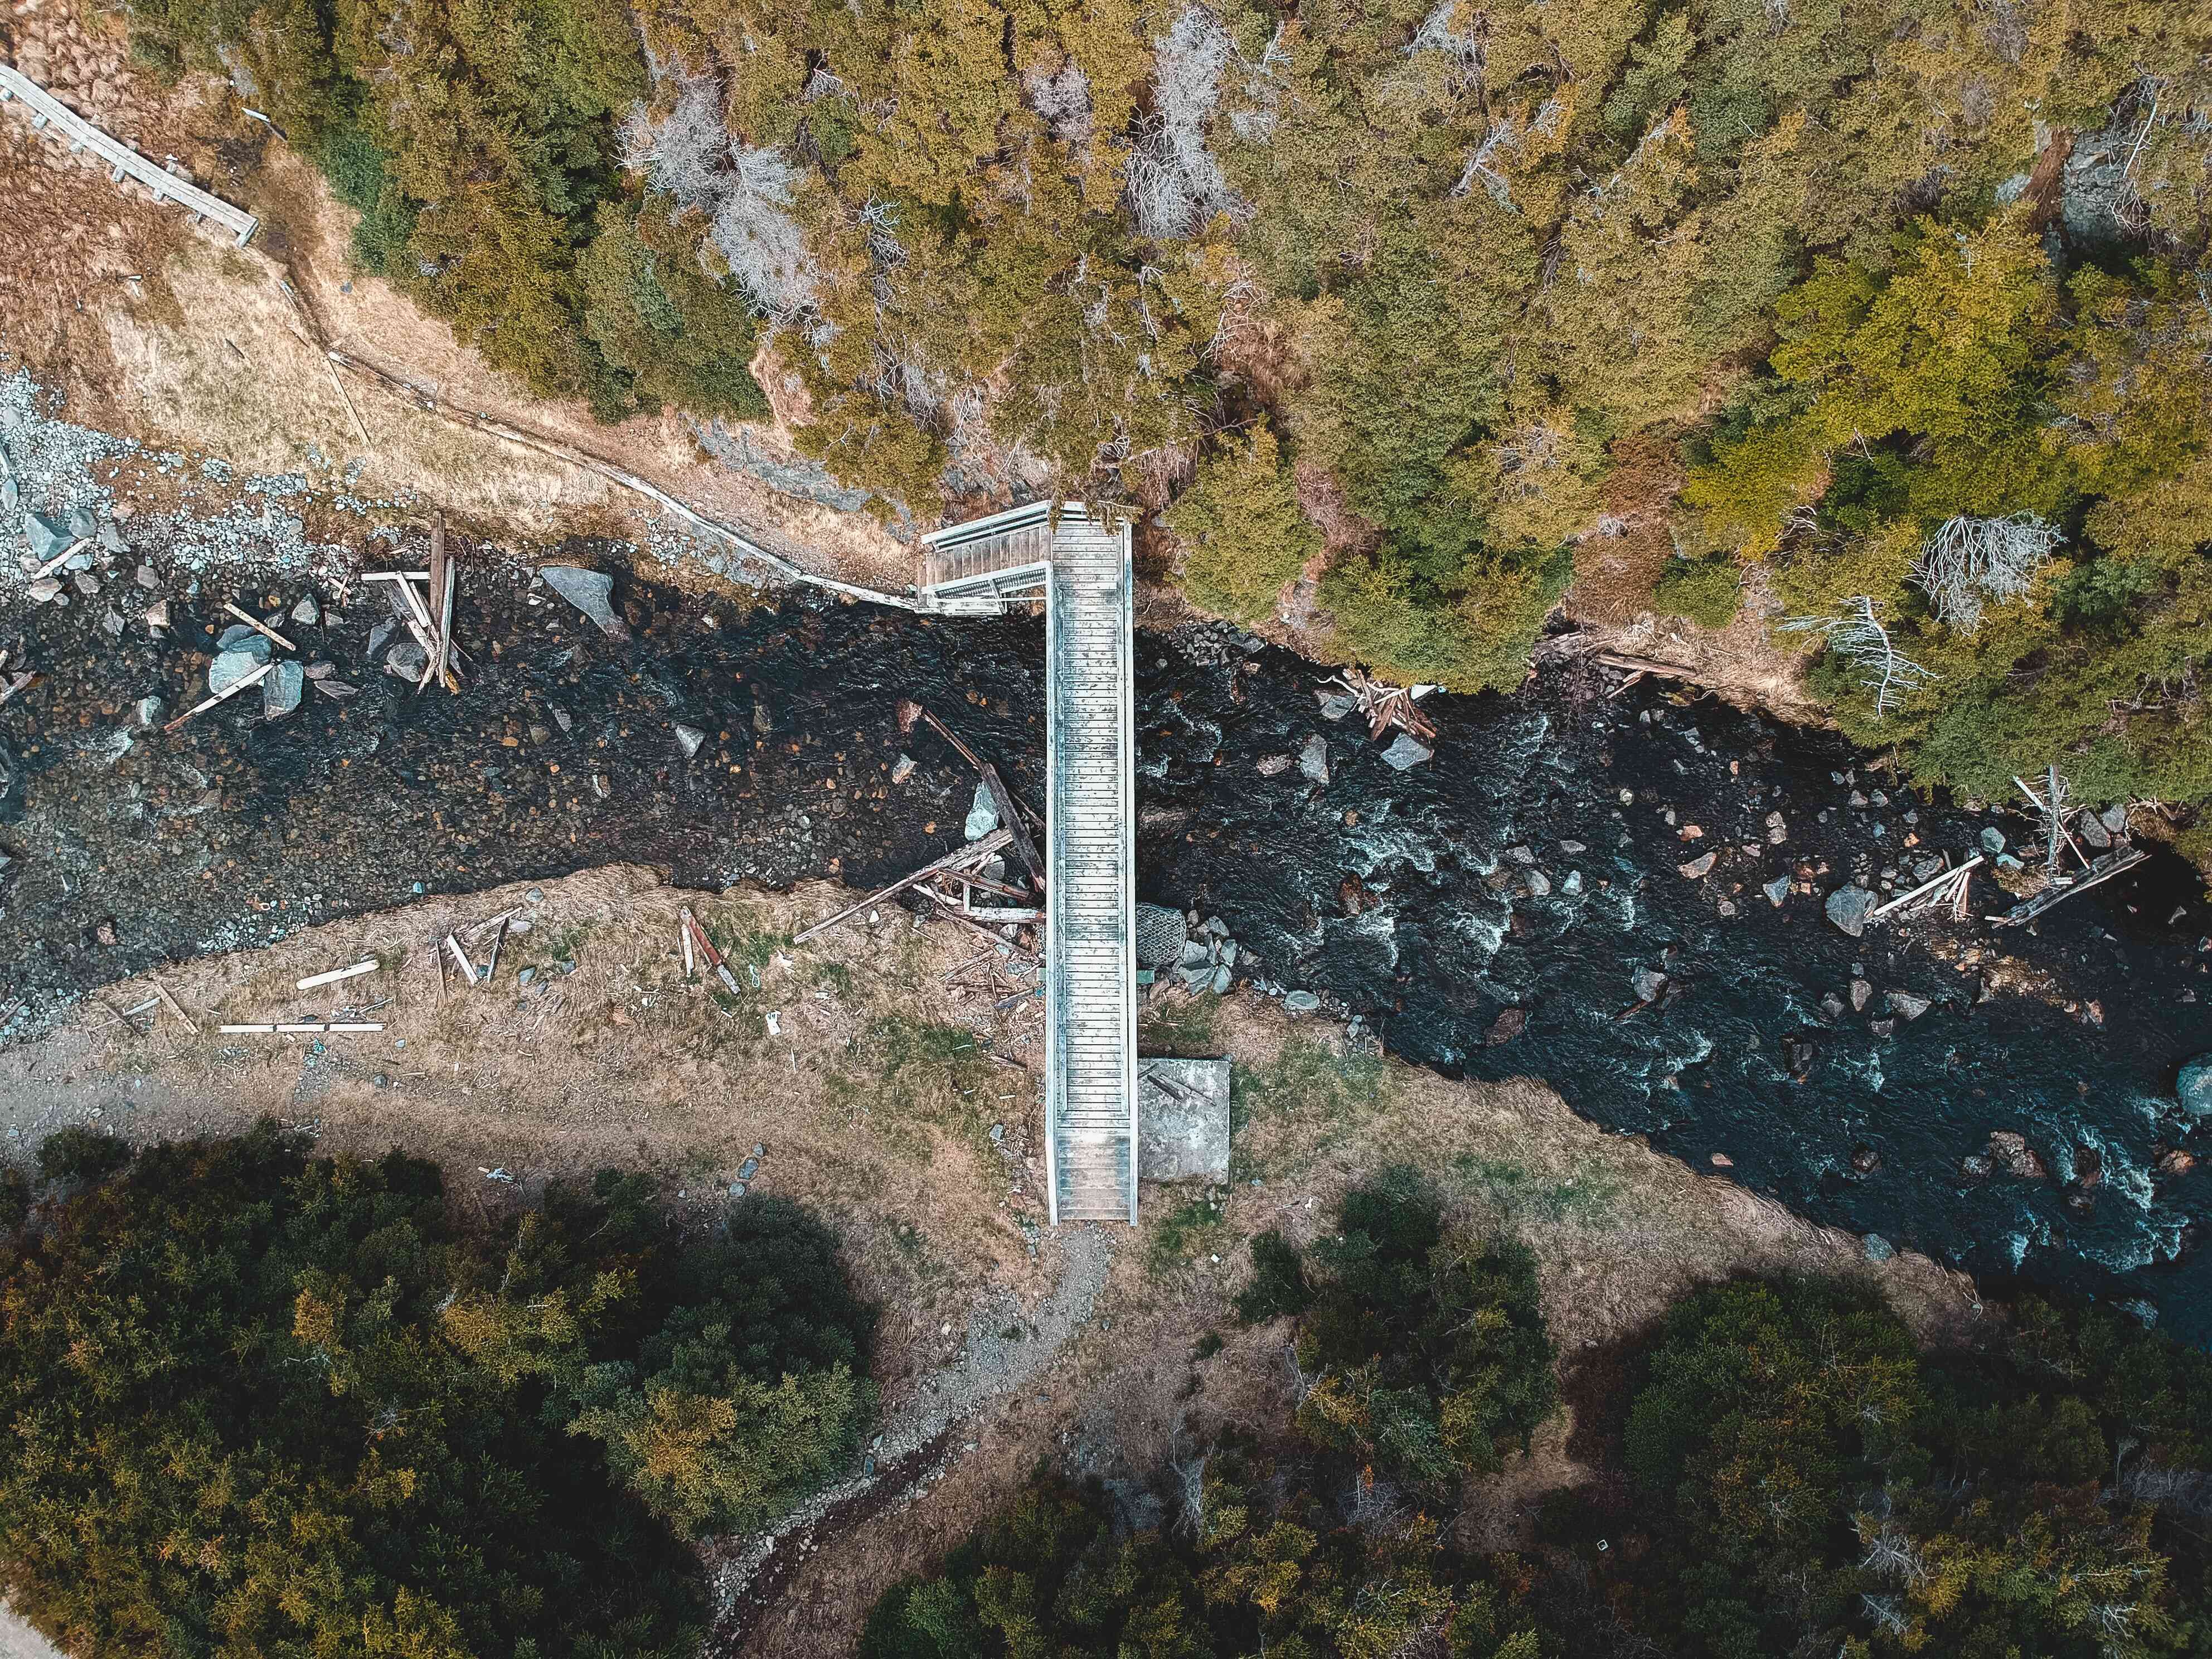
<point x="1081" y="567"/>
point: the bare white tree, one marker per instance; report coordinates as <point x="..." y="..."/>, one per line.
<point x="685" y="151"/>
<point x="1450" y="29"/>
<point x="1969" y="560"/>
<point x="1858" y="637"/>
<point x="745" y="190"/>
<point x="1175" y="182"/>
<point x="1062" y="101"/>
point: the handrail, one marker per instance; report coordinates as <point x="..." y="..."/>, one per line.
<point x="48" y="110"/>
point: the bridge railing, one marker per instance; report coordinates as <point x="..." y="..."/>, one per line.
<point x="46" y="110"/>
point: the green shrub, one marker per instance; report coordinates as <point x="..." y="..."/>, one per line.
<point x="1428" y="1349"/>
<point x="261" y="1403"/>
<point x="1243" y="532"/>
<point x="1279" y="1280"/>
<point x="1707" y="591"/>
<point x="77" y="1153"/>
<point x="15" y="1197"/>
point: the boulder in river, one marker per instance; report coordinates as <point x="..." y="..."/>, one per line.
<point x="1405" y="754"/>
<point x="1509" y="1024"/>
<point x="1850" y="906"/>
<point x="2195" y="1088"/>
<point x="229" y="667"/>
<point x="1313" y="759"/>
<point x="1877" y="1248"/>
<point x="689" y="738"/>
<point x="2009" y="1151"/>
<point x="591" y="592"/>
<point x="1699" y="867"/>
<point x="1906" y="1005"/>
<point x="1777" y="891"/>
<point x="281" y="689"/>
<point x="982" y="814"/>
<point x="1648" y="983"/>
<point x="1301" y="1002"/>
<point x="47" y="536"/>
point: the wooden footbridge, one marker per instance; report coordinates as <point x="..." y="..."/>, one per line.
<point x="1078" y="566"/>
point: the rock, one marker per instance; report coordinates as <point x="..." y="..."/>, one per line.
<point x="1301" y="1002"/>
<point x="44" y="591"/>
<point x="1831" y="1006"/>
<point x="229" y="667"/>
<point x="1313" y="759"/>
<point x="1699" y="867"/>
<point x="78" y="563"/>
<point x="238" y="637"/>
<point x="157" y="614"/>
<point x="112" y="537"/>
<point x="982" y="815"/>
<point x="1777" y="891"/>
<point x="2176" y="1163"/>
<point x="1405" y="754"/>
<point x="1220" y="979"/>
<point x="901" y="770"/>
<point x="1195" y="954"/>
<point x="147" y="713"/>
<point x="147" y="579"/>
<point x="282" y="525"/>
<point x="307" y="613"/>
<point x="2090" y="831"/>
<point x="321" y="671"/>
<point x="1540" y="884"/>
<point x="1509" y="1024"/>
<point x="379" y="634"/>
<point x="2114" y="818"/>
<point x="1271" y="766"/>
<point x="281" y="689"/>
<point x="406" y="661"/>
<point x="689" y="738"/>
<point x="1877" y="1248"/>
<point x="1352" y="893"/>
<point x="590" y="592"/>
<point x="2195" y="1086"/>
<point x="47" y="536"/>
<point x="1882" y="1028"/>
<point x="1865" y="1159"/>
<point x="1860" y="992"/>
<point x="1850" y="906"/>
<point x="112" y="622"/>
<point x="1648" y="983"/>
<point x="1993" y="841"/>
<point x="1217" y="927"/>
<point x="1572" y="848"/>
<point x="2009" y="1151"/>
<point x="104" y="931"/>
<point x="1521" y="855"/>
<point x="1977" y="1166"/>
<point x="1334" y="706"/>
<point x="1722" y="1161"/>
<point x="1907" y="1004"/>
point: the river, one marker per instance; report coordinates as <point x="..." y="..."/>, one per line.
<point x="1531" y="865"/>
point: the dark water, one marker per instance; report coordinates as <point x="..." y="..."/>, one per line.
<point x="234" y="832"/>
<point x="1455" y="934"/>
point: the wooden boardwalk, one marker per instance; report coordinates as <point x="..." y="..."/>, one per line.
<point x="1079" y="567"/>
<point x="123" y="161"/>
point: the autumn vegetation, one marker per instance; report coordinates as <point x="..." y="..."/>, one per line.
<point x="1397" y="295"/>
<point x="259" y="1402"/>
<point x="1780" y="1471"/>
